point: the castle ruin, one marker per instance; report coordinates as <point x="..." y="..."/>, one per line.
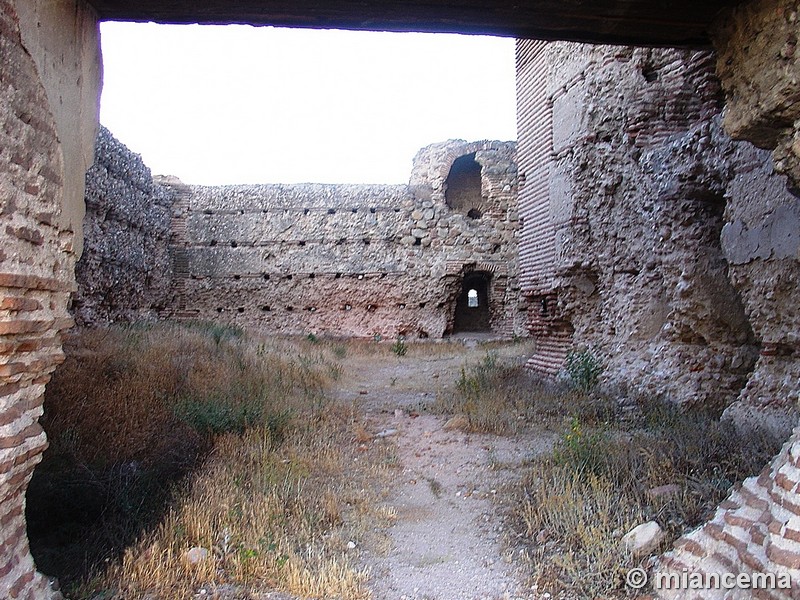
<point x="641" y="227"/>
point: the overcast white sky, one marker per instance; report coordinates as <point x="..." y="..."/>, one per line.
<point x="240" y="104"/>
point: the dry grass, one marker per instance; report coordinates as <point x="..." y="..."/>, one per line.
<point x="269" y="516"/>
<point x="576" y="522"/>
<point x="126" y="393"/>
<point x="573" y="506"/>
<point x="500" y="398"/>
<point x="280" y="485"/>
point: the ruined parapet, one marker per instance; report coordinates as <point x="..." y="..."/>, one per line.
<point x="124" y="273"/>
<point x="356" y="260"/>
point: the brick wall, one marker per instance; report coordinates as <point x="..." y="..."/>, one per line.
<point x="755" y="530"/>
<point x="36" y="277"/>
<point x="537" y="246"/>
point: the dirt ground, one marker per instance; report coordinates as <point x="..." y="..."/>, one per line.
<point x="449" y="541"/>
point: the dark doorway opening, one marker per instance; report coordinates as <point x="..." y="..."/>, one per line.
<point x="472" y="307"/>
<point x="463" y="187"/>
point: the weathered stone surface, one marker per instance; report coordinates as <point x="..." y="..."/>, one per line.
<point x="636" y="205"/>
<point x="63" y="38"/>
<point x="643" y="539"/>
<point x="642" y="184"/>
<point x="355" y="260"/>
<point x="759" y="65"/>
<point x="671" y="250"/>
<point x="125" y="273"/>
<point x="760" y="240"/>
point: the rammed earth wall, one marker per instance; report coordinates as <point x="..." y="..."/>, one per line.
<point x="357" y="260"/>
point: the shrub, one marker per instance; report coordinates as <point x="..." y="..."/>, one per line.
<point x="583" y="369"/>
<point x="498" y="398"/>
<point x="399" y="347"/>
<point x="582" y="451"/>
<point x="218" y="332"/>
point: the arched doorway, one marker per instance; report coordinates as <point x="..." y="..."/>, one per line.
<point x="472" y="306"/>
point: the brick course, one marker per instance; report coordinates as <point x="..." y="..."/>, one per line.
<point x="35" y="279"/>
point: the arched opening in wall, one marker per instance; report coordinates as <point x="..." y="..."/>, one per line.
<point x="472" y="311"/>
<point x="463" y="187"/>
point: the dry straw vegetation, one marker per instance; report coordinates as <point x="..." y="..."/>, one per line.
<point x="499" y="398"/>
<point x="167" y="438"/>
<point x="607" y="472"/>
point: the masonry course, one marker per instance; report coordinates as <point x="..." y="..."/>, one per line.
<point x="353" y="260"/>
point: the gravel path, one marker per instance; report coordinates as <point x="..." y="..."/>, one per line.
<point x="446" y="543"/>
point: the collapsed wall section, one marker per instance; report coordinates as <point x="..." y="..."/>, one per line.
<point x="354" y="260"/>
<point x="125" y="272"/>
<point x="641" y="181"/>
<point x="674" y="256"/>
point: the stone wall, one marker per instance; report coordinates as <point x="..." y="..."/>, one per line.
<point x="356" y="260"/>
<point x="49" y="81"/>
<point x="759" y="66"/>
<point x="671" y="251"/>
<point x="125" y="272"/>
<point x="640" y="181"/>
